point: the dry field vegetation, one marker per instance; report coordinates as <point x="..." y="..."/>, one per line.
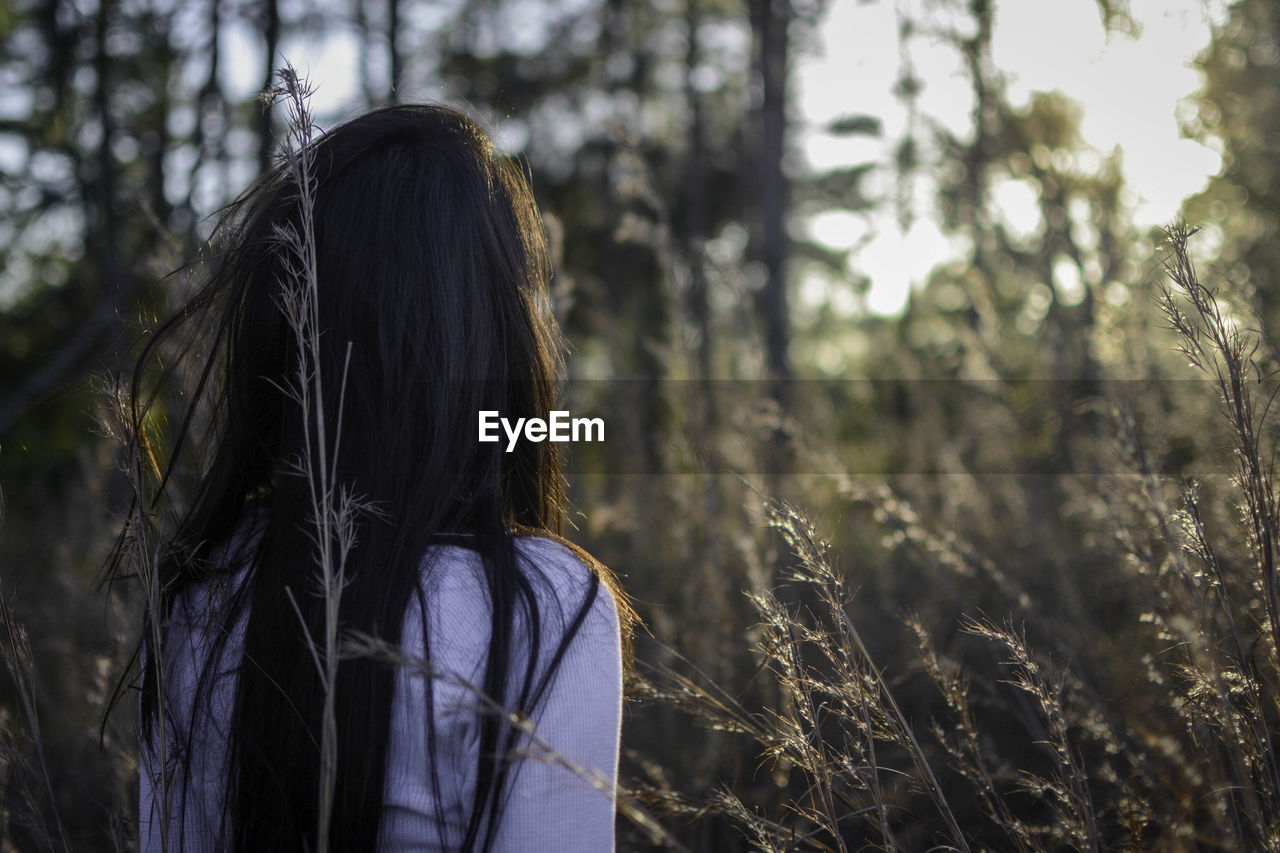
<point x="1071" y="659"/>
<point x="1128" y="705"/>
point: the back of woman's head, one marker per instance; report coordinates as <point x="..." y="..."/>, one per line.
<point x="430" y="272"/>
<point x="431" y="268"/>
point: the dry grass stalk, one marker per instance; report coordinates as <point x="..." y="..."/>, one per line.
<point x="334" y="509"/>
<point x="32" y="782"/>
<point x="125" y="419"/>
<point x="1228" y="689"/>
<point x="835" y="717"/>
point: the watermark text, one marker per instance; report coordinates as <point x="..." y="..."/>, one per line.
<point x="561" y="426"/>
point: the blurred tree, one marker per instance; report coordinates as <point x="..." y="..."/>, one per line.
<point x="993" y="369"/>
<point x="270" y="24"/>
<point x="85" y="131"/>
<point x="771" y="21"/>
<point x="85" y="137"/>
<point x="1237" y="113"/>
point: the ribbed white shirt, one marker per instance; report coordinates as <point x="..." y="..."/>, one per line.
<point x="548" y="806"/>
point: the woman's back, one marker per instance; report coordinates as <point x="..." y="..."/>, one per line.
<point x="432" y="758"/>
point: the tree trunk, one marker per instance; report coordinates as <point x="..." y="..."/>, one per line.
<point x="393" y="45"/>
<point x="362" y="34"/>
<point x="695" y="202"/>
<point x="771" y="21"/>
<point x="271" y="32"/>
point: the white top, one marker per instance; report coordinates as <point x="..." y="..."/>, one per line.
<point x="548" y="807"/>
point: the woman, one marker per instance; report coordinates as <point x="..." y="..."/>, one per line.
<point x="431" y="273"/>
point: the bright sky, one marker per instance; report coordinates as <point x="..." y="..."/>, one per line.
<point x="1129" y="90"/>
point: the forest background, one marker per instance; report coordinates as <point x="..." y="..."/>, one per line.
<point x="1022" y="592"/>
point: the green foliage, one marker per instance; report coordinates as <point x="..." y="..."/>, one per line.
<point x="1237" y="113"/>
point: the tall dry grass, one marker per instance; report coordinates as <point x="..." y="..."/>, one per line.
<point x="1015" y="745"/>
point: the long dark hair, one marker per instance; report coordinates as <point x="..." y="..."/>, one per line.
<point x="432" y="296"/>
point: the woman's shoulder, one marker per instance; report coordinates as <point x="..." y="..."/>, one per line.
<point x="565" y="568"/>
<point x="574" y="581"/>
<point x="562" y="583"/>
<point x="554" y="569"/>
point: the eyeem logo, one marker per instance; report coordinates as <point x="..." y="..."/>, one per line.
<point x="560" y="427"/>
